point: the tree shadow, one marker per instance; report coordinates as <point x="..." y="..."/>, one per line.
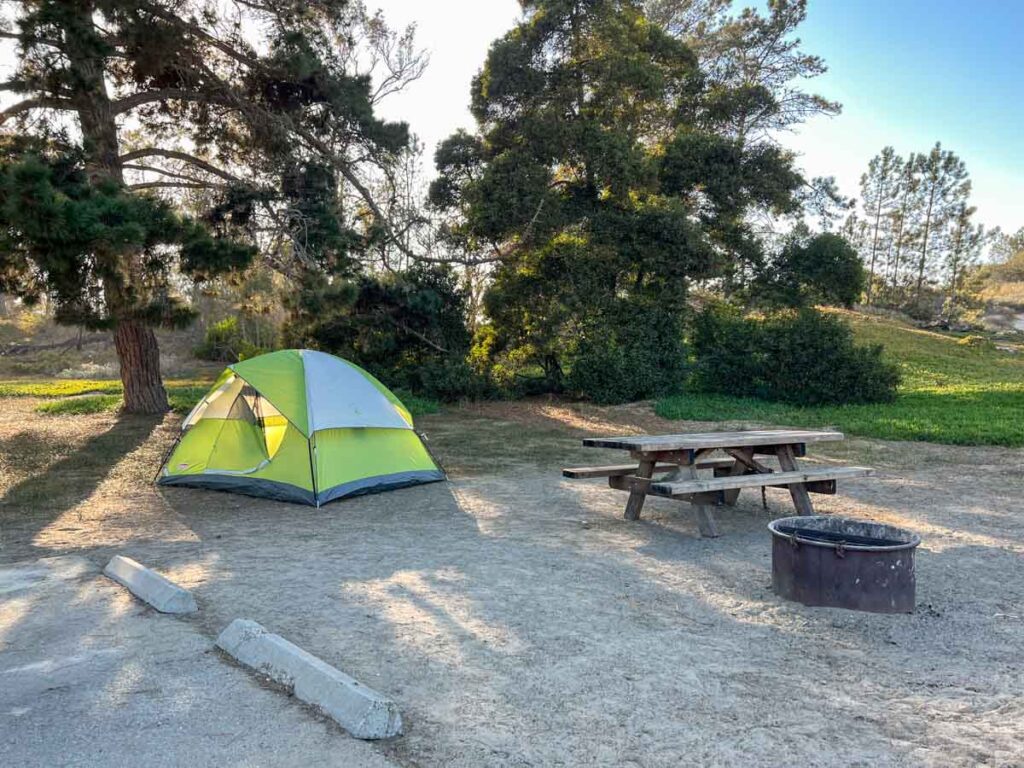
<point x="38" y="500"/>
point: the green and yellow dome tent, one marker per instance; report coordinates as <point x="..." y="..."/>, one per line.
<point x="300" y="426"/>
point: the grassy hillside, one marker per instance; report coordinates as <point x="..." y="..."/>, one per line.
<point x="953" y="391"/>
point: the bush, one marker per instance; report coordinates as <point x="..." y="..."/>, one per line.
<point x="979" y="342"/>
<point x="641" y="359"/>
<point x="444" y="379"/>
<point x="228" y="342"/>
<point x="823" y="269"/>
<point x="802" y="357"/>
<point x="407" y="328"/>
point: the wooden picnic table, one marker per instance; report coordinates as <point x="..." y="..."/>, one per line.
<point x="680" y="458"/>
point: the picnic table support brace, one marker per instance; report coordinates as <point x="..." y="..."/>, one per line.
<point x="744" y="462"/>
<point x="788" y="462"/>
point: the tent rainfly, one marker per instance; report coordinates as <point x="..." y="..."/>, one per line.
<point x="299" y="426"/>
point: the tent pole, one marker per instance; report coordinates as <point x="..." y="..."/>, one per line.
<point x="430" y="453"/>
<point x="312" y="468"/>
<point x="167" y="455"/>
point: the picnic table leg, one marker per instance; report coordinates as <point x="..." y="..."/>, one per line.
<point x="788" y="463"/>
<point x="705" y="519"/>
<point x="636" y="496"/>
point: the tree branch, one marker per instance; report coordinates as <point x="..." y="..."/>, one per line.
<point x="176" y="185"/>
<point x="412" y="332"/>
<point x="174" y="154"/>
<point x="202" y="34"/>
<point x="42" y="102"/>
<point x="162" y="171"/>
<point x="130" y="102"/>
<point x="468" y="261"/>
<point x="29" y="41"/>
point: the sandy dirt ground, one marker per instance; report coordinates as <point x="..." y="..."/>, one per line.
<point x="90" y="677"/>
<point x="520" y="621"/>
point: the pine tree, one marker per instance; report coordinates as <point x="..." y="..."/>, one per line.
<point x="942" y="184"/>
<point x="251" y="111"/>
<point x="966" y="240"/>
<point x="755" y="68"/>
<point x="902" y="213"/>
<point x="753" y="61"/>
<point x="689" y="20"/>
<point x="604" y="180"/>
<point x="879" y="195"/>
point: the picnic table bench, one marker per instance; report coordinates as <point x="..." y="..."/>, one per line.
<point x="679" y="459"/>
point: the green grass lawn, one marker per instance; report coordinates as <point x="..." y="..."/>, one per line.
<point x="80" y="396"/>
<point x="951" y="393"/>
<point x="57" y="388"/>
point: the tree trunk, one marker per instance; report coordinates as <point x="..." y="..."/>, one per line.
<point x="874" y="244"/>
<point x="139" y="356"/>
<point x="904" y="212"/>
<point x="924" y="246"/>
<point x="957" y="248"/>
<point x="952" y="293"/>
<point x="135" y="342"/>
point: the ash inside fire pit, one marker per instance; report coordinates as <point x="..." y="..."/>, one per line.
<point x="844" y="563"/>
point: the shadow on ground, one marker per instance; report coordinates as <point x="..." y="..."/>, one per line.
<point x="54" y="488"/>
<point x="518" y="620"/>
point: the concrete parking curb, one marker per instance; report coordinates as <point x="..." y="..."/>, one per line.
<point x="361" y="711"/>
<point x="150" y="586"/>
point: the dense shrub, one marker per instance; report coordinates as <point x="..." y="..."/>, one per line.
<point x="802" y="357"/>
<point x="634" y="361"/>
<point x="823" y="269"/>
<point x="627" y="352"/>
<point x="407" y="328"/>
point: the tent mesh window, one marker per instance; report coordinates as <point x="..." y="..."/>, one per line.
<point x="241" y="410"/>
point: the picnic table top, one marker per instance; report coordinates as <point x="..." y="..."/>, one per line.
<point x="702" y="440"/>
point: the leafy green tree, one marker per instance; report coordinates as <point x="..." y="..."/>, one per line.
<point x="104" y="256"/>
<point x="249" y="114"/>
<point x="828" y="270"/>
<point x="819" y="269"/>
<point x="407" y="327"/>
<point x="604" y="180"/>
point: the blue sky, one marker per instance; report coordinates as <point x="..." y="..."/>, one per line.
<point x="908" y="72"/>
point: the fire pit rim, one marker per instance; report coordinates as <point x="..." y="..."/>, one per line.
<point x="801" y="521"/>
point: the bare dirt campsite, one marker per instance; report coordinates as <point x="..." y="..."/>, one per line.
<point x="514" y="615"/>
<point x="534" y="383"/>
